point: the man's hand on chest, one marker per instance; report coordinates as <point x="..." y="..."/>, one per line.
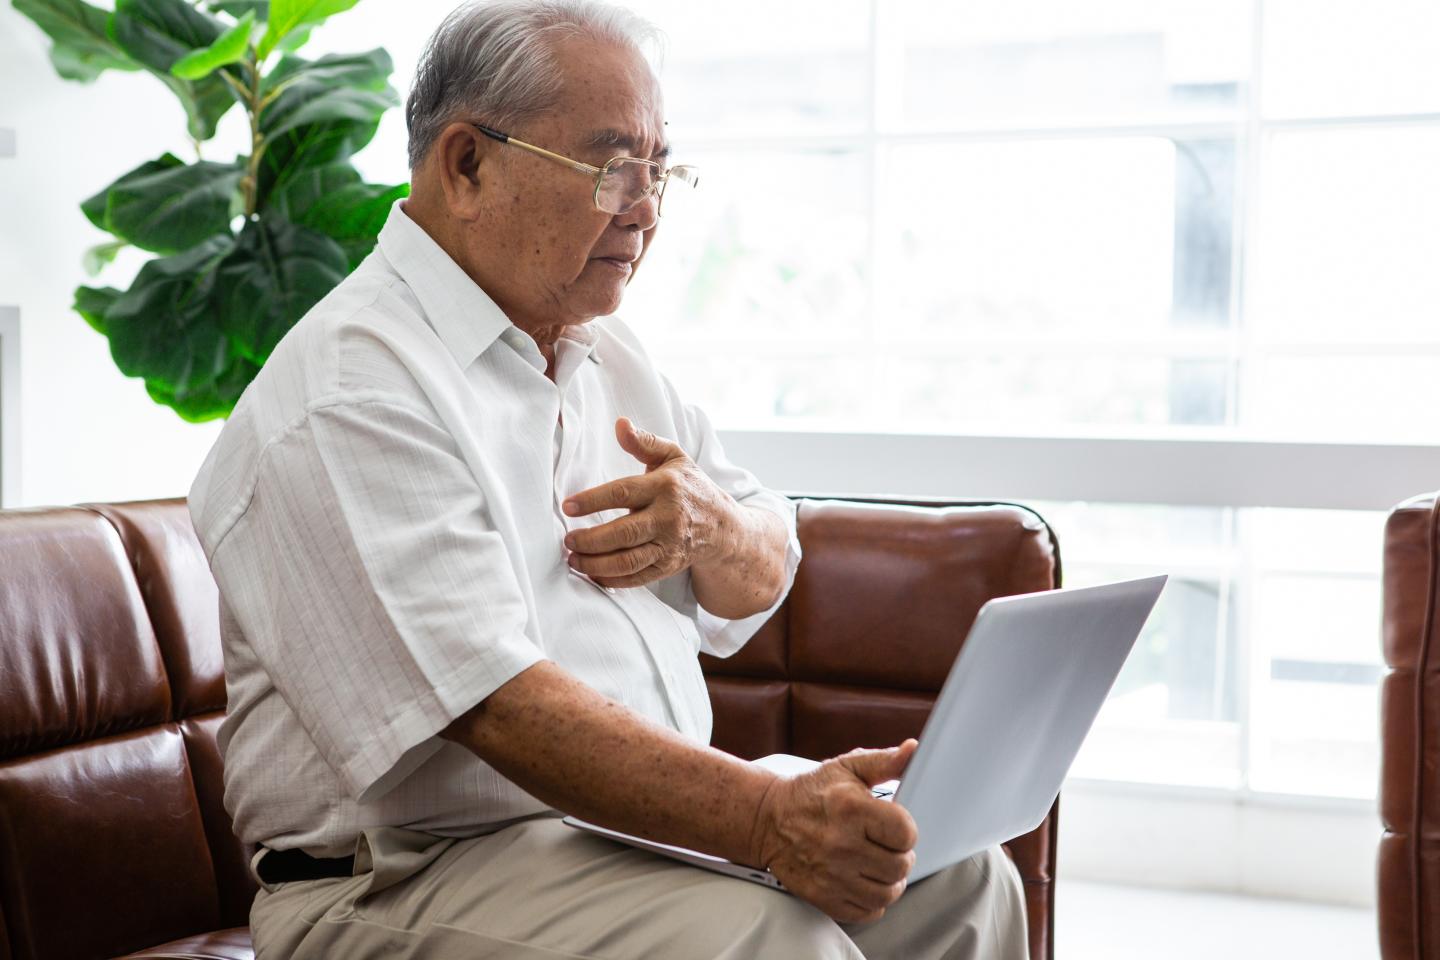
<point x="678" y="517"/>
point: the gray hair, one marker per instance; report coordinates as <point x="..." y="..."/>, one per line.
<point x="492" y="60"/>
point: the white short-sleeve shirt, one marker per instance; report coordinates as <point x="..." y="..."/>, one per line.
<point x="382" y="515"/>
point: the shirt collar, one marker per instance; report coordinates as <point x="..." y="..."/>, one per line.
<point x="464" y="317"/>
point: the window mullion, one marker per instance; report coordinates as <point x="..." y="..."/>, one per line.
<point x="1249" y="650"/>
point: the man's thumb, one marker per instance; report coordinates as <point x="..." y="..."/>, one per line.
<point x="877" y="766"/>
<point x="641" y="444"/>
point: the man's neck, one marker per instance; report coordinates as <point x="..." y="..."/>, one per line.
<point x="449" y="237"/>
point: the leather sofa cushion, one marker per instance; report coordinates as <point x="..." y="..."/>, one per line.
<point x="232" y="944"/>
<point x="752" y="717"/>
<point x="102" y="848"/>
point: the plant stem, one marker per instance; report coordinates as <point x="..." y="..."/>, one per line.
<point x="257" y="142"/>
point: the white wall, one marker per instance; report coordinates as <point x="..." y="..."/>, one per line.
<point x="86" y="431"/>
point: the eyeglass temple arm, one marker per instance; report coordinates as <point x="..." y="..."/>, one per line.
<point x="494" y="134"/>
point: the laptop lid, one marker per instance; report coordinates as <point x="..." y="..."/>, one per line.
<point x="1019" y="700"/>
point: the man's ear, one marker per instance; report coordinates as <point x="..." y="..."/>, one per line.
<point x="459" y="155"/>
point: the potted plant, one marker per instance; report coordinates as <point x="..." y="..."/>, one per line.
<point x="245" y="246"/>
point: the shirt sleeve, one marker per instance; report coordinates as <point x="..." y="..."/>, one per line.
<point x="718" y="636"/>
<point x="369" y="580"/>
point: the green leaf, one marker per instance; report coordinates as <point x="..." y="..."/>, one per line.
<point x="286" y="15"/>
<point x="277" y="271"/>
<point x="172" y="210"/>
<point x="228" y="48"/>
<point x="363" y="71"/>
<point x="98" y="256"/>
<point x="209" y="401"/>
<point x="205" y="102"/>
<point x="334" y="200"/>
<point x="81" y="50"/>
<point x="94" y="207"/>
<point x="165" y="327"/>
<point x="323" y="112"/>
<point x="295" y="39"/>
<point x="158" y="33"/>
<point x="307" y="187"/>
<point x="238" y="8"/>
<point x="93" y="303"/>
<point x="353" y="215"/>
<point x="167" y="206"/>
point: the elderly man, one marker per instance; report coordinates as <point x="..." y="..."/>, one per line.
<point x="469" y="541"/>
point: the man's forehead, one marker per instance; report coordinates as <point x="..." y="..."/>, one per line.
<point x="611" y="95"/>
<point x="630" y="141"/>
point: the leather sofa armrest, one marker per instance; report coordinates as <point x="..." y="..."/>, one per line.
<point x="1408" y="868"/>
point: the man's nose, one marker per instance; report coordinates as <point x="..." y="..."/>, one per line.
<point x="643" y="215"/>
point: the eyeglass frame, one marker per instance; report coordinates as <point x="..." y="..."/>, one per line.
<point x="656" y="188"/>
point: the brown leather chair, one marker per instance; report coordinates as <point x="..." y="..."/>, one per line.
<point x="113" y="834"/>
<point x="1409" y="857"/>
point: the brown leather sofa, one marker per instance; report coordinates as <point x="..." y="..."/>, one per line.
<point x="113" y="834"/>
<point x="1409" y="857"/>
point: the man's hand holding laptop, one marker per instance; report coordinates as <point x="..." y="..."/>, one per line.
<point x="827" y="837"/>
<point x="1020" y="697"/>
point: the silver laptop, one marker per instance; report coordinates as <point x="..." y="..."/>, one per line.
<point x="1018" y="702"/>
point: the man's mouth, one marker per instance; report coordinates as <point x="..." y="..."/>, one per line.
<point x="623" y="263"/>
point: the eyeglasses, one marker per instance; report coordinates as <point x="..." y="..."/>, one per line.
<point x="622" y="183"/>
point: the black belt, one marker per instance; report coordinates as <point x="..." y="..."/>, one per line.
<point x="283" y="866"/>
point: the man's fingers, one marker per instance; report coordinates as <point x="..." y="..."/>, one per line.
<point x="890" y="869"/>
<point x="620" y="563"/>
<point x="877" y="895"/>
<point x="626" y="492"/>
<point x="645" y="446"/>
<point x="856" y="913"/>
<point x="628" y="531"/>
<point x="891" y="827"/>
<point x="877" y="766"/>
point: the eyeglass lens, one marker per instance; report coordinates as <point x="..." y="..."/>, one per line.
<point x="626" y="182"/>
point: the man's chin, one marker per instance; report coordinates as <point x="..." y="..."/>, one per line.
<point x="600" y="300"/>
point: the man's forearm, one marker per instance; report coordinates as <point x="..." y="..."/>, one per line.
<point x="747" y="575"/>
<point x="581" y="752"/>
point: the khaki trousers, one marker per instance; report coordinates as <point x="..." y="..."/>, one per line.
<point x="540" y="889"/>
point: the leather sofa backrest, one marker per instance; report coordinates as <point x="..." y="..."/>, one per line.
<point x="112" y="832"/>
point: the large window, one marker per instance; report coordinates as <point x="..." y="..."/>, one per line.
<point x="1259" y="669"/>
<point x="1180" y="219"/>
